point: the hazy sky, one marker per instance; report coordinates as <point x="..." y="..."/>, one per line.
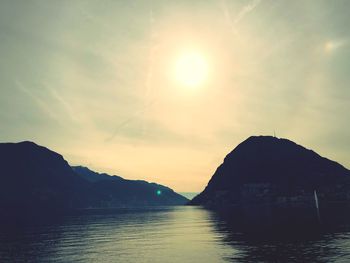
<point x="94" y="81"/>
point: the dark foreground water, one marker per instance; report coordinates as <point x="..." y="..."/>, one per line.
<point x="170" y="234"/>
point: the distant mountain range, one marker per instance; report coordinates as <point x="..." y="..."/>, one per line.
<point x="117" y="191"/>
<point x="36" y="179"/>
<point x="268" y="171"/>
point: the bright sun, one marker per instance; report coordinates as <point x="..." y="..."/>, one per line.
<point x="191" y="69"/>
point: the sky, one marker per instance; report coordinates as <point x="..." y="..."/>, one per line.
<point x="97" y="81"/>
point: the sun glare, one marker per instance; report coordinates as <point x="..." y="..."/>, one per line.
<point x="191" y="69"/>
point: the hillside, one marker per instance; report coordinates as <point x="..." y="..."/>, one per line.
<point x="36" y="179"/>
<point x="268" y="170"/>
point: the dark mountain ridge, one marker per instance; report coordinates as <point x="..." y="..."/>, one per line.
<point x="36" y="179"/>
<point x="265" y="169"/>
<point x="92" y="176"/>
<point x="120" y="191"/>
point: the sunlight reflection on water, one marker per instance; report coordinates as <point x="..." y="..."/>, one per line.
<point x="168" y="234"/>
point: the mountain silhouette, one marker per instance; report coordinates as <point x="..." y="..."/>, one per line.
<point x="268" y="170"/>
<point x="92" y="176"/>
<point x="117" y="191"/>
<point x="34" y="179"/>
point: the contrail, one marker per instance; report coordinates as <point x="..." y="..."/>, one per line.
<point x="153" y="47"/>
<point x="246" y="9"/>
<point x="60" y="99"/>
<point x="128" y="120"/>
<point x="228" y="17"/>
<point x="42" y="104"/>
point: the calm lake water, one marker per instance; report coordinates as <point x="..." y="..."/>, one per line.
<point x="167" y="234"/>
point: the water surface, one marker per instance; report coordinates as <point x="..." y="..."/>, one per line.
<point x="167" y="234"/>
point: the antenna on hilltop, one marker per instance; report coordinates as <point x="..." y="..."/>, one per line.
<point x="274" y="133"/>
